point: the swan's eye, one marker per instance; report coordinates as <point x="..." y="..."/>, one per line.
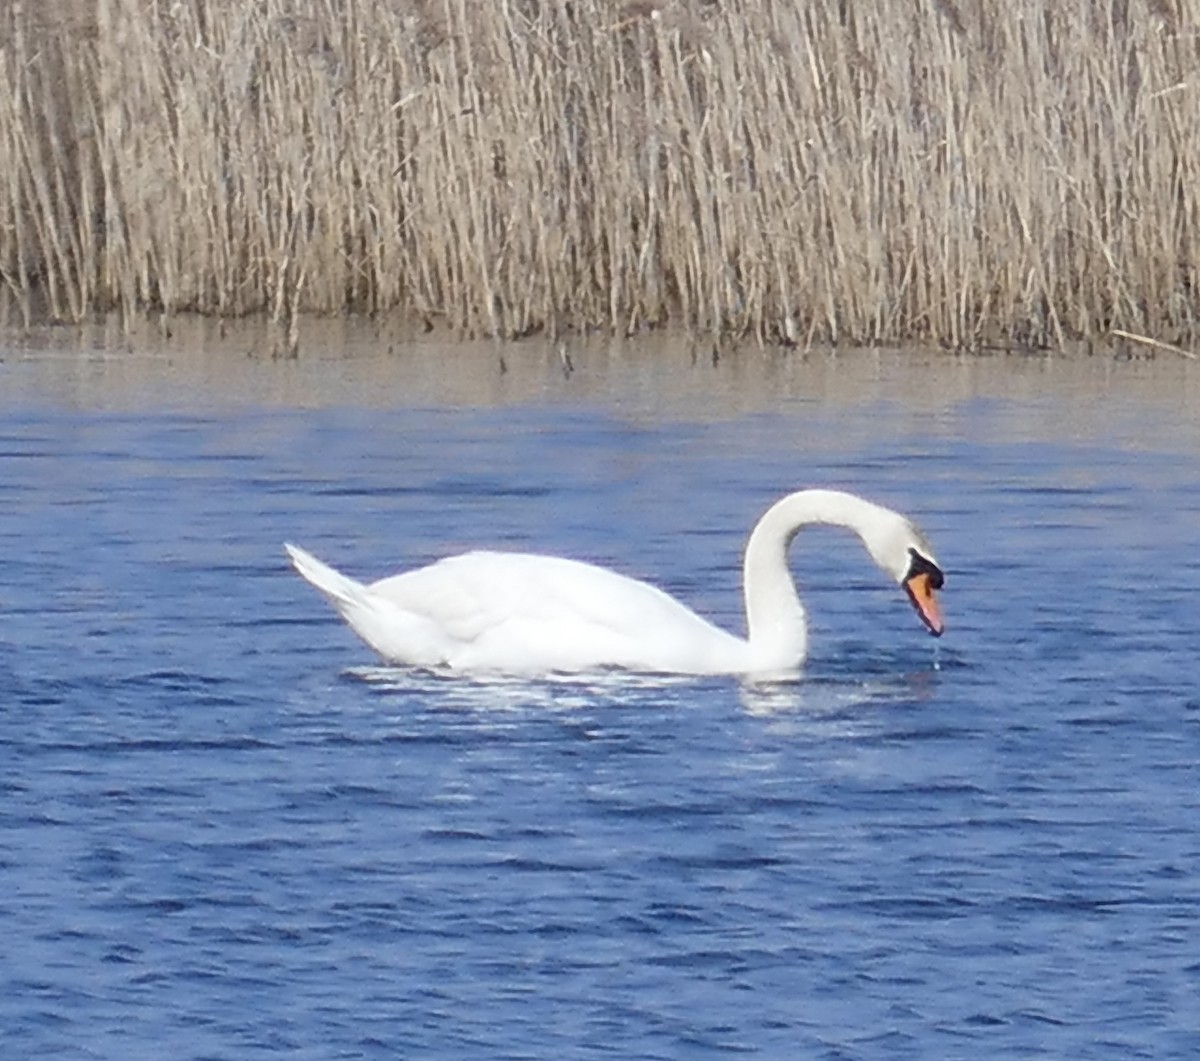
<point x="922" y="565"/>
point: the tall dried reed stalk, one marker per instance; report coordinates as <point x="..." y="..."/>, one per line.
<point x="943" y="171"/>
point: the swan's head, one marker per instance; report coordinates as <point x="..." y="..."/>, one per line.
<point x="902" y="551"/>
<point x="895" y="545"/>
<point x="921" y="582"/>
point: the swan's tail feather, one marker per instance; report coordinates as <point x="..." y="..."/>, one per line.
<point x="396" y="634"/>
<point x="342" y="591"/>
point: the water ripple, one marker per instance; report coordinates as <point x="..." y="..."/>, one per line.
<point x="226" y="833"/>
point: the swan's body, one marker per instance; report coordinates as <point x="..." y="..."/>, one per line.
<point x="521" y="613"/>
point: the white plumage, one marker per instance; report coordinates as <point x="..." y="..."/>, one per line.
<point x="528" y="614"/>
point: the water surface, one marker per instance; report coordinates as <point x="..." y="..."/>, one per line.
<point x="227" y="832"/>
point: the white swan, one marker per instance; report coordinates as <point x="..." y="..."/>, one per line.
<point x="526" y="614"/>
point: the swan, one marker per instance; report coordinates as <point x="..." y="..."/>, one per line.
<point x="520" y="613"/>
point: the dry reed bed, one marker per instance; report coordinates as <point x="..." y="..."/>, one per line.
<point x="955" y="172"/>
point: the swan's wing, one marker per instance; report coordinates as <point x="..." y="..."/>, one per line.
<point x="519" y="611"/>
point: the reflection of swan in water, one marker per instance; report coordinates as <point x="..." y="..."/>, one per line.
<point x="824" y="704"/>
<point x="832" y="698"/>
<point x="495" y="693"/>
<point x="525" y="614"/>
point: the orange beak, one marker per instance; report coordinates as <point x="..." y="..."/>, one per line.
<point x="920" y="592"/>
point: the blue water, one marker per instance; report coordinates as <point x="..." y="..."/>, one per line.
<point x="226" y="832"/>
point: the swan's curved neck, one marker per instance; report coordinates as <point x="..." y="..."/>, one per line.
<point x="775" y="621"/>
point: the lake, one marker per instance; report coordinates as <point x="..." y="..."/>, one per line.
<point x="229" y="832"/>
